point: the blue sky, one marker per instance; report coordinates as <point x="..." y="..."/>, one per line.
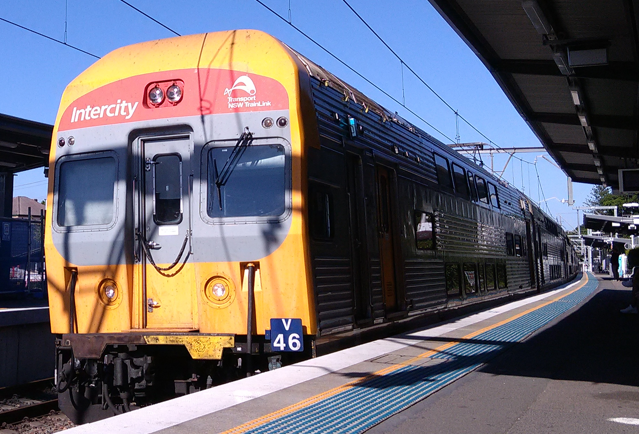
<point x="36" y="70"/>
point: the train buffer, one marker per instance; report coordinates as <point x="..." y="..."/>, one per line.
<point x="560" y="361"/>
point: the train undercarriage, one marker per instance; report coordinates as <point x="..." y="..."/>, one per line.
<point x="96" y="380"/>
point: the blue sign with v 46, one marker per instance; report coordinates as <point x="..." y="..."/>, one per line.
<point x="287" y="334"/>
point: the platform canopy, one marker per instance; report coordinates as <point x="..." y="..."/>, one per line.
<point x="23" y="144"/>
<point x="571" y="69"/>
<point x="600" y="242"/>
<point x="627" y="225"/>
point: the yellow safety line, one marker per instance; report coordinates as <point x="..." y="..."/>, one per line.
<point x="312" y="400"/>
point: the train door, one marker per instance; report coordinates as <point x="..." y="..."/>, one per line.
<point x="530" y="253"/>
<point x="163" y="232"/>
<point x="542" y="274"/>
<point x="385" y="238"/>
<point x="357" y="229"/>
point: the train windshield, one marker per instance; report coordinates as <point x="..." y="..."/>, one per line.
<point x="255" y="187"/>
<point x="86" y="192"/>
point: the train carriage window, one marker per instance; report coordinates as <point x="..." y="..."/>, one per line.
<point x="494" y="199"/>
<point x="86" y="191"/>
<point x="473" y="187"/>
<point x="321" y="213"/>
<point x="252" y="183"/>
<point x="510" y="248"/>
<point x="167" y="189"/>
<point x="461" y="183"/>
<point x="491" y="281"/>
<point x="424" y="230"/>
<point x="481" y="275"/>
<point x="453" y="281"/>
<point x="502" y="280"/>
<point x="482" y="192"/>
<point x="470" y="278"/>
<point x="518" y="249"/>
<point x="443" y="171"/>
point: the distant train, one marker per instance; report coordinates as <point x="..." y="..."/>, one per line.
<point x="218" y="200"/>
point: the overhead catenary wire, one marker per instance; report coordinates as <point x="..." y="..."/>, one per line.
<point x="30" y="184"/>
<point x="404" y="64"/>
<point x="542" y="190"/>
<point x="49" y="37"/>
<point x="353" y="70"/>
<point x="150" y="17"/>
<point x="386" y="93"/>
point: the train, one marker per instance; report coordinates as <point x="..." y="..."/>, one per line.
<point x="219" y="203"/>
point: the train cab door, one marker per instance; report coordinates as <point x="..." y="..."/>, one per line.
<point x="162" y="233"/>
<point x="385" y="238"/>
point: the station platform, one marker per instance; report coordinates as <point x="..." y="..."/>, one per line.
<point x="27" y="346"/>
<point x="563" y="361"/>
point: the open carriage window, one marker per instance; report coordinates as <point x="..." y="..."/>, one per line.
<point x="494" y="199"/>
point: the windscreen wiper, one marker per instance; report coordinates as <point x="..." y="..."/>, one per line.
<point x="238" y="150"/>
<point x="221" y="179"/>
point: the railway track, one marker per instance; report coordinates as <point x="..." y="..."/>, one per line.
<point x="31" y="408"/>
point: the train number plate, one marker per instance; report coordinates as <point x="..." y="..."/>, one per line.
<point x="287" y="335"/>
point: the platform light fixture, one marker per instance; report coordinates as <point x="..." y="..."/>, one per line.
<point x="562" y="63"/>
<point x="583" y="120"/>
<point x="537" y="17"/>
<point x="575" y="97"/>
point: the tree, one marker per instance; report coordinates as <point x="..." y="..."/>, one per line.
<point x="603" y="196"/>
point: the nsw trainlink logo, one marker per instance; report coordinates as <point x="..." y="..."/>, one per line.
<point x="120" y="109"/>
<point x="246" y="85"/>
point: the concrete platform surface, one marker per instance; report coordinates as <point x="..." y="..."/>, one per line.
<point x="560" y="362"/>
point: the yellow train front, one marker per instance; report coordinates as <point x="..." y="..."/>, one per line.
<point x="176" y="219"/>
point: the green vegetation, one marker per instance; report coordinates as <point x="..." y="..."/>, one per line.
<point x="603" y="196"/>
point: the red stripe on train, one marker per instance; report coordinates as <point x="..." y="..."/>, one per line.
<point x="205" y="91"/>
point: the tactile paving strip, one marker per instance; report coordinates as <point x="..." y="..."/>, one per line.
<point x="361" y="404"/>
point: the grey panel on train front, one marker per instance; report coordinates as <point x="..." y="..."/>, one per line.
<point x="214" y="239"/>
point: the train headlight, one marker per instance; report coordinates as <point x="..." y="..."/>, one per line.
<point x="174" y="93"/>
<point x="109" y="293"/>
<point x="219" y="291"/>
<point x="156" y="95"/>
